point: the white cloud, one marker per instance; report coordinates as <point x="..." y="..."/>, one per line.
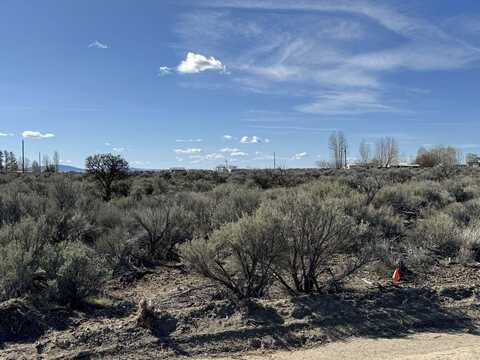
<point x="189" y="140"/>
<point x="198" y="158"/>
<point x="108" y="144"/>
<point x="238" y="153"/>
<point x="188" y="151"/>
<point x="346" y="103"/>
<point x="140" y="163"/>
<point x="5" y="134"/>
<point x="196" y="63"/>
<point x="228" y="137"/>
<point x="36" y="135"/>
<point x="299" y="156"/>
<point x="214" y="156"/>
<point x="164" y="70"/>
<point x="98" y="45"/>
<point x="118" y="149"/>
<point x="251" y="140"/>
<point x="229" y="150"/>
<point x="341" y="45"/>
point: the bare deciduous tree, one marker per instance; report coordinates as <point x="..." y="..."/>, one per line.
<point x="365" y="152"/>
<point x="439" y="155"/>
<point x="56" y="161"/>
<point x="386" y="152"/>
<point x="338" y="148"/>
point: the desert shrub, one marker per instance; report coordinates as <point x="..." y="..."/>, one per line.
<point x="438" y="234"/>
<point x="77" y="272"/>
<point x="66" y="226"/>
<point x="202" y="186"/>
<point x="472" y="208"/>
<point x="21" y="250"/>
<point x="439" y="173"/>
<point x="470" y="243"/>
<point x="459" y="213"/>
<point x="63" y="194"/>
<point x="233" y="202"/>
<point x="141" y="188"/>
<point x="200" y="208"/>
<point x="314" y="227"/>
<point x="382" y="222"/>
<point x="121" y="188"/>
<point x="463" y="189"/>
<point x="114" y="246"/>
<point x="239" y="256"/>
<point x="262" y="179"/>
<point x="15" y="205"/>
<point x="328" y="189"/>
<point x="411" y="198"/>
<point x="368" y="183"/>
<point x="165" y="224"/>
<point x="401" y="176"/>
<point x="109" y="217"/>
<point x="464" y="213"/>
<point x="160" y="185"/>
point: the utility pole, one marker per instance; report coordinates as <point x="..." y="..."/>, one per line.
<point x="23" y="156"/>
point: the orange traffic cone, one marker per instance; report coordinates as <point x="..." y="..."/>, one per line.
<point x="396" y="276"/>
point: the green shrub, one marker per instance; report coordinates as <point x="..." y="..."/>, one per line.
<point x="115" y="248"/>
<point x="79" y="273"/>
<point x="470" y="243"/>
<point x="239" y="256"/>
<point x="438" y="234"/>
<point x="232" y="202"/>
<point x="165" y="224"/>
<point x="21" y="251"/>
<point x="314" y="228"/>
<point x="200" y="208"/>
<point x="410" y="199"/>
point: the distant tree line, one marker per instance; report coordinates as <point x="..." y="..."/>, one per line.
<point x="385" y="153"/>
<point x="10" y="164"/>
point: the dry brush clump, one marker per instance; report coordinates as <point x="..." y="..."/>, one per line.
<point x="240" y="256"/>
<point x="290" y="240"/>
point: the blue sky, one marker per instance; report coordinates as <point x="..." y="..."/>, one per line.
<point x="193" y="83"/>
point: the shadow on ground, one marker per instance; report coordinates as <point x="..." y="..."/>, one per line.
<point x="388" y="312"/>
<point x="23" y="322"/>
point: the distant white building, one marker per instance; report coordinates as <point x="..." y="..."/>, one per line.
<point x="473" y="160"/>
<point x="226" y="168"/>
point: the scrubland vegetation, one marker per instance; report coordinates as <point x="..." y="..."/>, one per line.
<point x="61" y="240"/>
<point x="65" y="237"/>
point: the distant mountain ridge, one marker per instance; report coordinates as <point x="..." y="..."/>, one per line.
<point x="68" y="168"/>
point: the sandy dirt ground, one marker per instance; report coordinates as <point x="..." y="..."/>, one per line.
<point x="421" y="346"/>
